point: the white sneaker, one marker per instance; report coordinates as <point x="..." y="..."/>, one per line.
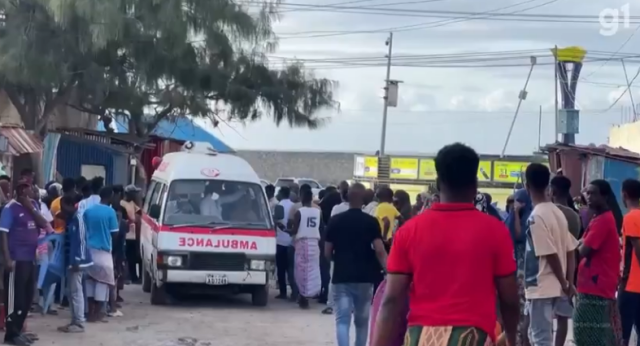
<point x="116" y="313"/>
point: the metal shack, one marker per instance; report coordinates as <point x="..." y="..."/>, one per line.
<point x="584" y="163"/>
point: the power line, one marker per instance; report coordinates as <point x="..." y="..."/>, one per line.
<point x="616" y="52"/>
<point x="436" y="13"/>
<point x="367" y="6"/>
<point x="623" y="93"/>
<point x="420" y="26"/>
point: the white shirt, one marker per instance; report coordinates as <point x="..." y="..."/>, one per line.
<point x="371" y="208"/>
<point x="46" y="213"/>
<point x="309" y="223"/>
<point x="340" y="208"/>
<point x="213" y="207"/>
<point x="283" y="238"/>
<point x="272" y="204"/>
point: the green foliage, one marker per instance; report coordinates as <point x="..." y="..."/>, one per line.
<point x="164" y="58"/>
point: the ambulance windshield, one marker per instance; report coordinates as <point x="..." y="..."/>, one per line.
<point x="214" y="202"/>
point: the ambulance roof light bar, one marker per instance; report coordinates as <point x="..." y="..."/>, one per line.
<point x="198" y="148"/>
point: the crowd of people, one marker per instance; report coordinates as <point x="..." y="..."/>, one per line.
<point x="304" y="229"/>
<point x="79" y="231"/>
<point x="453" y="269"/>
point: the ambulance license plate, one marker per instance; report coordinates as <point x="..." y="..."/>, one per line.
<point x="216" y="280"/>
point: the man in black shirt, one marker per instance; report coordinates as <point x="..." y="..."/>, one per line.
<point x="354" y="243"/>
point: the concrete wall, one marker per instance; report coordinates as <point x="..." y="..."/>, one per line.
<point x="327" y="168"/>
<point x="626" y="136"/>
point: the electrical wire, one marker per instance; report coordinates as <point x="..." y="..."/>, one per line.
<point x="418" y="26"/>
<point x="616" y="52"/>
<point x="455" y="60"/>
<point x="367" y="6"/>
<point x="436" y="13"/>
<point x="627" y="89"/>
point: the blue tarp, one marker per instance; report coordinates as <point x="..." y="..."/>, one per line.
<point x="183" y="129"/>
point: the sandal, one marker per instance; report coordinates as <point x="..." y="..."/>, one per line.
<point x="31" y="336"/>
<point x="71" y="328"/>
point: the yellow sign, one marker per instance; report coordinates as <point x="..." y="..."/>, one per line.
<point x="484" y="171"/>
<point x="371" y="166"/>
<point x="366" y="166"/>
<point x="427" y="169"/>
<point x="509" y="172"/>
<point x="403" y="168"/>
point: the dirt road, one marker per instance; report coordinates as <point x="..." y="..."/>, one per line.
<point x="201" y="321"/>
<point x="230" y="321"/>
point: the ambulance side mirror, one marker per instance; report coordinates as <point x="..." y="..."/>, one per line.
<point x="154" y="211"/>
<point x="278" y="213"/>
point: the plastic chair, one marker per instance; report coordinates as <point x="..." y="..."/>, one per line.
<point x="53" y="271"/>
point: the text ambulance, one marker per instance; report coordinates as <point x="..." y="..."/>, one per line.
<point x="206" y="226"/>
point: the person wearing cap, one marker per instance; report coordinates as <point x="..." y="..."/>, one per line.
<point x="20" y="225"/>
<point x="132" y="246"/>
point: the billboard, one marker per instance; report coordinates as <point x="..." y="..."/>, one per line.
<point x="508" y="172"/>
<point x="484" y="171"/>
<point x="403" y="168"/>
<point x="366" y="166"/>
<point x="427" y="169"/>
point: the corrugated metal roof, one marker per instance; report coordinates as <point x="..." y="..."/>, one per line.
<point x="116" y="140"/>
<point x="20" y="141"/>
<point x="602" y="150"/>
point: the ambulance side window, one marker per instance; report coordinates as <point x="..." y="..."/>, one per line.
<point x="154" y="194"/>
<point x="147" y="200"/>
<point x="163" y="195"/>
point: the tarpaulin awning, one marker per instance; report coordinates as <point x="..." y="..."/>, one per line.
<point x="20" y="141"/>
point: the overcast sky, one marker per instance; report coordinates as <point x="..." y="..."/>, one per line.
<point x="442" y="105"/>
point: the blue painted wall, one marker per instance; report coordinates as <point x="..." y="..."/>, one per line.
<point x="73" y="153"/>
<point x="616" y="172"/>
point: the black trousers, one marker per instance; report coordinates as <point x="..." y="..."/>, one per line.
<point x="284" y="268"/>
<point x="133" y="258"/>
<point x="18" y="294"/>
<point x="325" y="275"/>
<point x="629" y="305"/>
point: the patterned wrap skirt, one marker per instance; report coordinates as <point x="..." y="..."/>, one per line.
<point x="522" y="326"/>
<point x="307" y="267"/>
<point x="596" y="321"/>
<point x="446" y="336"/>
<point x="401" y="323"/>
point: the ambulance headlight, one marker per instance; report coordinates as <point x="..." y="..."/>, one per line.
<point x="174" y="261"/>
<point x="257" y="265"/>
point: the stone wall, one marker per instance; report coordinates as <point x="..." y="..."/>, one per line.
<point x="327" y="168"/>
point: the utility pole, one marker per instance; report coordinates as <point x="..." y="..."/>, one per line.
<point x="521" y="97"/>
<point x="626" y="76"/>
<point x="387" y="82"/>
<point x="539" y="128"/>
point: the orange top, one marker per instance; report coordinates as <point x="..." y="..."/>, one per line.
<point x="631" y="267"/>
<point x="59" y="224"/>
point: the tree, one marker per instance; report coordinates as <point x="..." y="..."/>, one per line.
<point x="41" y="62"/>
<point x="172" y="58"/>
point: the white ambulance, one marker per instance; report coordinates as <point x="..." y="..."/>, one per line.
<point x="206" y="227"/>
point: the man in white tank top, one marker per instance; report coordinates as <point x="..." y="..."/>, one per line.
<point x="306" y="236"/>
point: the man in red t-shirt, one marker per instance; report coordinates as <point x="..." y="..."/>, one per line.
<point x="450" y="260"/>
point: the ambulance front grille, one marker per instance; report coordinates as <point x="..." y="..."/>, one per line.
<point x="217" y="261"/>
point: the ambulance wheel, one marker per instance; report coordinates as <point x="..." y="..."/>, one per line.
<point x="146" y="279"/>
<point x="159" y="295"/>
<point x="260" y="296"/>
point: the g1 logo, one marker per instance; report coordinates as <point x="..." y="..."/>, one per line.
<point x="610" y="20"/>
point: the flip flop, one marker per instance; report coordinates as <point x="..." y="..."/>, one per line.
<point x="31" y="336"/>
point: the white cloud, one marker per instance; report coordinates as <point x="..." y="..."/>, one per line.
<point x="441" y="105"/>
